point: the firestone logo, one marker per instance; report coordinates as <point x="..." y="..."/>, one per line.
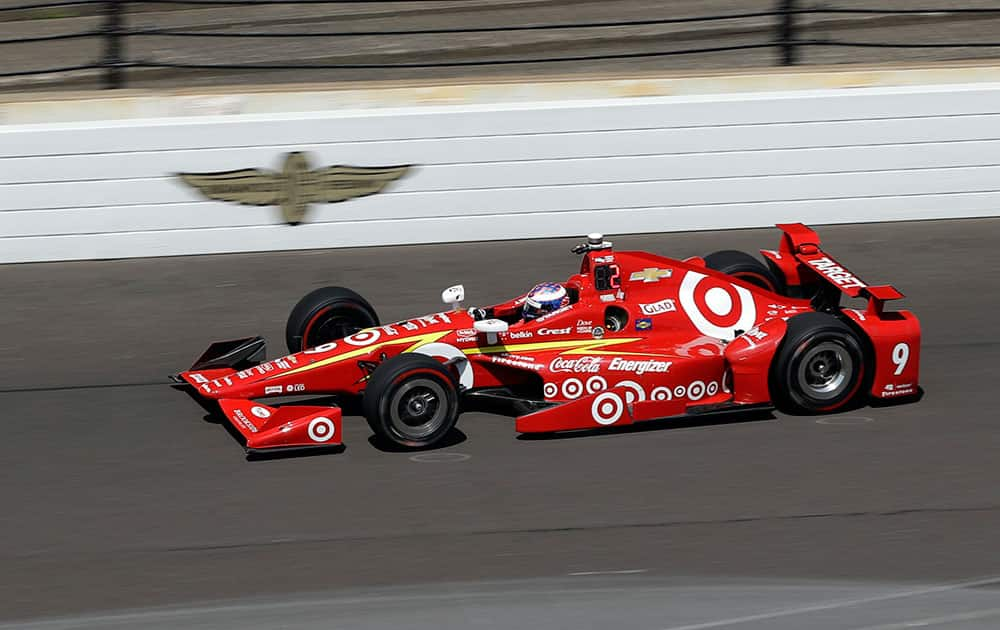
<point x="587" y="365"/>
<point x="514" y="362"/>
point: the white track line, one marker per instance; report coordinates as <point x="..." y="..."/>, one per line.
<point x="788" y="612"/>
<point x="933" y="621"/>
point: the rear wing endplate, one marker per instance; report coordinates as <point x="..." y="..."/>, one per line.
<point x="803" y="244"/>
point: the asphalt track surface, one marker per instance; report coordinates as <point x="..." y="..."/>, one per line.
<point x="124" y="508"/>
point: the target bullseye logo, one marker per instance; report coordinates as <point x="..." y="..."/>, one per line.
<point x="321" y="429"/>
<point x="696" y="390"/>
<point x="364" y="338"/>
<point x="716" y="308"/>
<point x="261" y="412"/>
<point x="572" y="388"/>
<point x="719" y="302"/>
<point x="661" y="393"/>
<point x="607" y="408"/>
<point x="635" y="391"/>
<point x="596" y="384"/>
<point x="550" y="390"/>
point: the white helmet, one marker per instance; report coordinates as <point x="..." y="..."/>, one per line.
<point x="544" y="299"/>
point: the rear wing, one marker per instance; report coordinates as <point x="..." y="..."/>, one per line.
<point x="803" y="264"/>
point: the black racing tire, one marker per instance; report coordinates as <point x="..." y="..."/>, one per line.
<point x="325" y="315"/>
<point x="411" y="400"/>
<point x="745" y="267"/>
<point x="820" y="367"/>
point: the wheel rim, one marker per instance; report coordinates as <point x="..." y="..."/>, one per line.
<point x="333" y="324"/>
<point x="418" y="408"/>
<point x="825" y="371"/>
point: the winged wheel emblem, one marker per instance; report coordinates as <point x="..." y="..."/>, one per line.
<point x="296" y="186"/>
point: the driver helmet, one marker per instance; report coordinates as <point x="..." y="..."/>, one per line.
<point x="543" y="299"/>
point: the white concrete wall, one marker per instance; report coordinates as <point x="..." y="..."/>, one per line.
<point x="105" y="189"/>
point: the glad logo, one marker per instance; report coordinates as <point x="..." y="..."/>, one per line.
<point x="638" y="367"/>
<point x="554" y="331"/>
<point x="663" y="306"/>
<point x="587" y="365"/>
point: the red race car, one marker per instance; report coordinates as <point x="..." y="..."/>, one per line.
<point x="632" y="337"/>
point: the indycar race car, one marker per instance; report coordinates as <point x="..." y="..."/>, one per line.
<point x="632" y="337"/>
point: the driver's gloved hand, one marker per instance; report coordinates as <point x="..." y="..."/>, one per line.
<point x="477" y="313"/>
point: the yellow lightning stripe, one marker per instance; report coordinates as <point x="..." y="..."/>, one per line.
<point x="415" y="341"/>
<point x="581" y="346"/>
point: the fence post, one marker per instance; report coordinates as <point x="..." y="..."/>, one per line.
<point x="113" y="35"/>
<point x="786" y="33"/>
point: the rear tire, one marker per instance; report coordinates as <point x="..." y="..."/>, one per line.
<point x="820" y="366"/>
<point x="325" y="315"/>
<point x="411" y="400"/>
<point x="744" y="267"/>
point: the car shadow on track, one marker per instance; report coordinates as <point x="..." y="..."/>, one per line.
<point x="731" y="417"/>
<point x="452" y="438"/>
<point x="295" y="453"/>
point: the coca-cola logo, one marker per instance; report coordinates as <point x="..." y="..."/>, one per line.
<point x="575" y="364"/>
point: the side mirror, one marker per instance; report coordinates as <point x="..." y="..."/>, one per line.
<point x="454" y="296"/>
<point x="492" y="328"/>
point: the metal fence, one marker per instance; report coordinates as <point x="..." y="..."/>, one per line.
<point x="114" y="32"/>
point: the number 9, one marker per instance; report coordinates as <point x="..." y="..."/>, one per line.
<point x="900" y="356"/>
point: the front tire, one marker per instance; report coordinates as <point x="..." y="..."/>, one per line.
<point x="325" y="315"/>
<point x="820" y="366"/>
<point x="411" y="400"/>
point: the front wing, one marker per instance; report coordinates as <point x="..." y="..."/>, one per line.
<point x="290" y="426"/>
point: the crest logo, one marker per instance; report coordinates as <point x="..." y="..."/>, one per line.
<point x="295" y="187"/>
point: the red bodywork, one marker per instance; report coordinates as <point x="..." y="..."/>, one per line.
<point x="694" y="340"/>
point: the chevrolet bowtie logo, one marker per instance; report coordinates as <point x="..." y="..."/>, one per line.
<point x="296" y="186"/>
<point x="651" y="274"/>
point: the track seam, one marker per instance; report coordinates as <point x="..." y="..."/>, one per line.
<point x="557" y="530"/>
